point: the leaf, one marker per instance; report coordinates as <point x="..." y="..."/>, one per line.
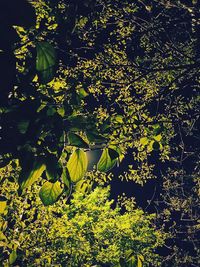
<point x="94" y="137"/>
<point x="23" y="126"/>
<point x="157" y="137"/>
<point x="12" y="256"/>
<point x="3" y="205"/>
<point x="140" y="259"/>
<point x="66" y="178"/>
<point x="130" y="258"/>
<point x="45" y="61"/>
<point x="50" y="192"/>
<point x="144" y="141"/>
<point x="84" y="186"/>
<point x="156" y="145"/>
<point x="106" y="162"/>
<point x="77" y="165"/>
<point x="53" y="168"/>
<point x="113" y="153"/>
<point x="76" y="140"/>
<point x="28" y="177"/>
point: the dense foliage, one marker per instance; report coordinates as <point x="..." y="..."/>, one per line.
<point x="115" y="78"/>
<point x="86" y="232"/>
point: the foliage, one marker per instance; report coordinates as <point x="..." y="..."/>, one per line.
<point x="117" y="76"/>
<point x="86" y="232"/>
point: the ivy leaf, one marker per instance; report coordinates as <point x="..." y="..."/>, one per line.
<point x="31" y="175"/>
<point x="76" y="140"/>
<point x="108" y="160"/>
<point x="50" y="192"/>
<point x="45" y="61"/>
<point x="77" y="165"/>
<point x="12" y="257"/>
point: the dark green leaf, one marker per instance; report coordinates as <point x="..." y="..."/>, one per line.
<point x="156" y="145"/>
<point x="113" y="153"/>
<point x="23" y="126"/>
<point x="94" y="137"/>
<point x="50" y="192"/>
<point x="53" y="168"/>
<point x="45" y="61"/>
<point x="76" y="140"/>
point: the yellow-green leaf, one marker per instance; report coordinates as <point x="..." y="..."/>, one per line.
<point x="3" y="205"/>
<point x="12" y="256"/>
<point x="108" y="160"/>
<point x="27" y="178"/>
<point x="144" y="141"/>
<point x="50" y="192"/>
<point x="140" y="259"/>
<point x="77" y="165"/>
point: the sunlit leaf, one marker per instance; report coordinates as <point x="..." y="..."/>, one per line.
<point x="12" y="256"/>
<point x="50" y="192"/>
<point x="144" y="141"/>
<point x="77" y="165"/>
<point x="31" y="175"/>
<point x="108" y="160"/>
<point x="140" y="259"/>
<point x="157" y="137"/>
<point x="3" y="205"/>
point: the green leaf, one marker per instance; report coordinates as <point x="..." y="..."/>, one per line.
<point x="157" y="137"/>
<point x="23" y="126"/>
<point x="45" y="61"/>
<point x="53" y="168"/>
<point x="3" y="205"/>
<point x="31" y="175"/>
<point x="84" y="186"/>
<point x="94" y="137"/>
<point x="140" y="259"/>
<point x="66" y="178"/>
<point x="12" y="256"/>
<point x="50" y="192"/>
<point x="130" y="258"/>
<point x="106" y="162"/>
<point x="76" y="140"/>
<point x="77" y="165"/>
<point x="113" y="153"/>
<point x="156" y="145"/>
<point x="144" y="141"/>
